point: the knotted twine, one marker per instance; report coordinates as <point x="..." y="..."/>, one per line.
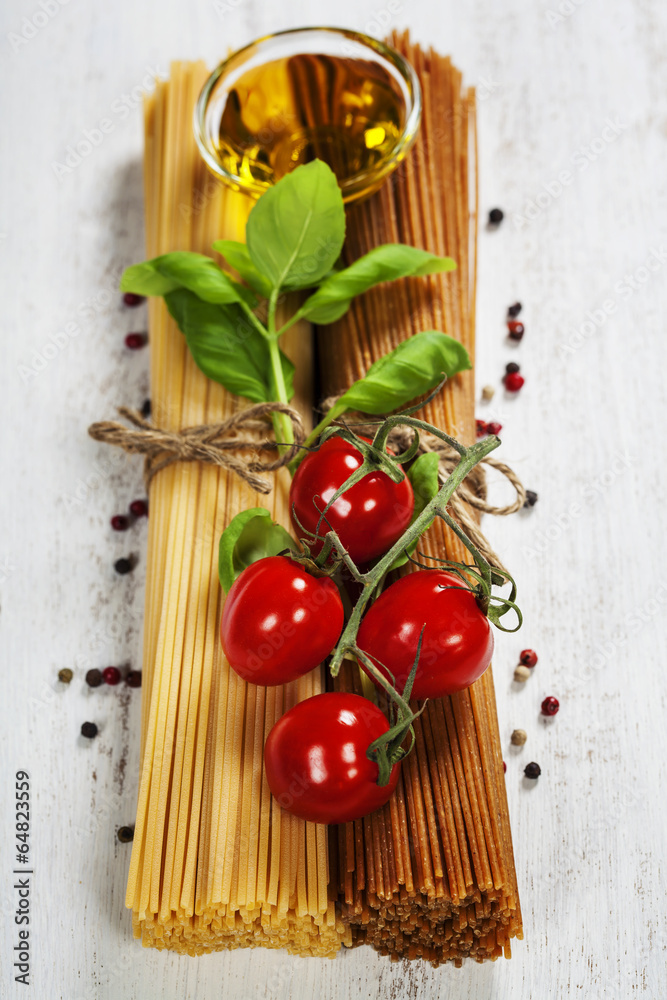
<point x="217" y="444"/>
<point x="213" y="444"/>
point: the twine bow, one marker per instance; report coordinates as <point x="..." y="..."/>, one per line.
<point x="214" y="444"/>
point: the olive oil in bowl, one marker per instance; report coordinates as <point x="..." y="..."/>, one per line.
<point x="343" y="102"/>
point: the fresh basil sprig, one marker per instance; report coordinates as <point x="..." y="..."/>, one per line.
<point x="294" y="235"/>
<point x="228" y="348"/>
<point x="249" y="536"/>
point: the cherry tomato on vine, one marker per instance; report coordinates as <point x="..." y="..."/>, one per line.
<point x="316" y="763"/>
<point x="368" y="518"/>
<point x="279" y="622"/>
<point x="457" y="644"/>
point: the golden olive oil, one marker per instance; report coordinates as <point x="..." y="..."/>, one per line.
<point x="348" y="112"/>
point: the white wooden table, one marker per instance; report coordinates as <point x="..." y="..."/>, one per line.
<point x="573" y="132"/>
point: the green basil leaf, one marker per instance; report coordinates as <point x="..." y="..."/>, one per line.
<point x="145" y="279"/>
<point x="410" y="370"/>
<point x="201" y="275"/>
<point x="385" y="263"/>
<point x="295" y="232"/>
<point x="237" y="256"/>
<point x="182" y="269"/>
<point x="227" y="347"/>
<point x="249" y="536"/>
<point x="423" y="474"/>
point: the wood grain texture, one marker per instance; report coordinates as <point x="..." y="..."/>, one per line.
<point x="589" y="837"/>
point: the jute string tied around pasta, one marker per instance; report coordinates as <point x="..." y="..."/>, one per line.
<point x="470" y="499"/>
<point x="215" y="444"/>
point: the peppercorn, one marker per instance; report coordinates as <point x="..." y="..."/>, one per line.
<point x="123" y="566"/>
<point x="126" y="834"/>
<point x="532" y="770"/>
<point x="480" y="427"/>
<point x="514" y="381"/>
<point x="119" y="522"/>
<point x="516" y="330"/>
<point x="130" y="299"/>
<point x="139" y="508"/>
<point x="133" y="679"/>
<point x="550" y="706"/>
<point x="494" y="427"/>
<point x="518" y="737"/>
<point x="89" y="730"/>
<point x="135" y="341"/>
<point x="111" y="675"/>
<point x="65" y="675"/>
<point x="94" y="678"/>
<point x="496" y="216"/>
<point x="514" y="310"/>
<point x="531" y="498"/>
<point x="488" y="392"/>
<point x="504" y="768"/>
<point x="528" y="657"/>
<point x="512" y="367"/>
<point x="521" y="674"/>
<point x="146" y="408"/>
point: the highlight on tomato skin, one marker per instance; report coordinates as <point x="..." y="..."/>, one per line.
<point x="368" y="518"/>
<point x="279" y="622"/>
<point x="458" y="640"/>
<point x="316" y="763"/>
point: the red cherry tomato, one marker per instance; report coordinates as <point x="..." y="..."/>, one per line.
<point x="457" y="644"/>
<point x="369" y="517"/>
<point x="279" y="622"/>
<point x="316" y="763"/>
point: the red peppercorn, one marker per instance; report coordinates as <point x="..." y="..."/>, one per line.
<point x="528" y="657"/>
<point x="494" y="427"/>
<point x="119" y="522"/>
<point x="516" y="329"/>
<point x="111" y="675"/>
<point x="130" y="299"/>
<point x="133" y="679"/>
<point x="481" y="428"/>
<point x="504" y="768"/>
<point x="514" y="381"/>
<point x="135" y="341"/>
<point x="550" y="705"/>
<point x="139" y="508"/>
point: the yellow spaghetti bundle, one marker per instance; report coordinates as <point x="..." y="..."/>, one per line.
<point x="215" y="862"/>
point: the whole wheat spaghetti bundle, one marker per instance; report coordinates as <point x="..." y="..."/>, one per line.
<point x="215" y="862"/>
<point x="432" y="873"/>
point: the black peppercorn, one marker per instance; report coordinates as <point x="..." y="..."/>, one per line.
<point x="126" y="834"/>
<point x="89" y="730"/>
<point x="123" y="566"/>
<point x="146" y="408"/>
<point x="531" y="498"/>
<point x="512" y="367"/>
<point x="532" y="770"/>
<point x="94" y="678"/>
<point x="496" y="216"/>
<point x="133" y="679"/>
<point x="514" y="310"/>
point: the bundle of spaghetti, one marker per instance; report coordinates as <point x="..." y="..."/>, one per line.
<point x="432" y="873"/>
<point x="215" y="862"/>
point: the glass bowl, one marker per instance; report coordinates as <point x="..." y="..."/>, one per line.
<point x="288" y="98"/>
